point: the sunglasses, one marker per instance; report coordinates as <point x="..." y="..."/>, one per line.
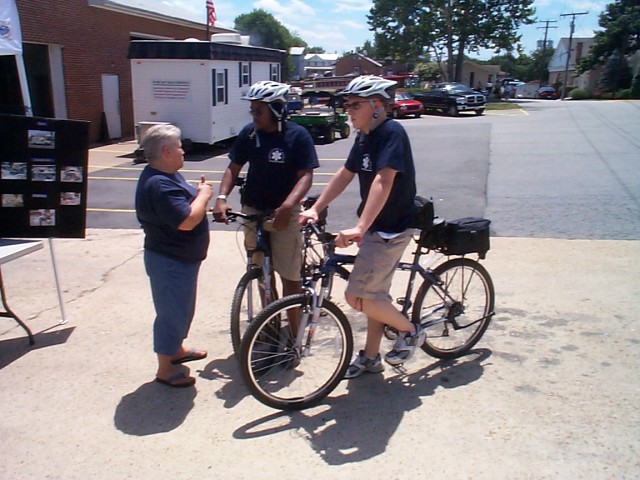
<point x="353" y="105"/>
<point x="257" y="112"/>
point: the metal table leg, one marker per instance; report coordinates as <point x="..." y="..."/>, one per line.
<point x="8" y="313"/>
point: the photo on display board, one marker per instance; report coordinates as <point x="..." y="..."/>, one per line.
<point x="71" y="174"/>
<point x="42" y="139"/>
<point x="44" y="217"/>
<point x="43" y="173"/>
<point x="12" y="200"/>
<point x="70" y="198"/>
<point x="14" y="171"/>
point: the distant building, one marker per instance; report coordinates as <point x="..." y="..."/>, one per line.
<point x="558" y="64"/>
<point x="296" y="54"/>
<point x="320" y="64"/>
<point x="476" y="75"/>
<point x="358" y="64"/>
<point x="541" y="45"/>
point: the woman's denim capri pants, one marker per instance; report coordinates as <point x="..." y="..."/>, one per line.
<point x="173" y="288"/>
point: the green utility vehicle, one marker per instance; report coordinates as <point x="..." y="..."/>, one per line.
<point x="322" y="117"/>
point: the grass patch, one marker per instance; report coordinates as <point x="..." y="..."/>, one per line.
<point x="503" y="106"/>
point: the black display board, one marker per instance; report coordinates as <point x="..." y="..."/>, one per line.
<point x="43" y="177"/>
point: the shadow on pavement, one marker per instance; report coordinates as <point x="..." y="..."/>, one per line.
<point x="358" y="426"/>
<point x="14" y="348"/>
<point x="226" y="370"/>
<point x="153" y="408"/>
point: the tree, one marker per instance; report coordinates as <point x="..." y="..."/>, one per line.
<point x="540" y="63"/>
<point x="315" y="50"/>
<point x="267" y="31"/>
<point x="428" y="71"/>
<point x="525" y="67"/>
<point x="620" y="35"/>
<point x="368" y="49"/>
<point x="408" y="28"/>
<point x="616" y="74"/>
<point x="297" y="41"/>
<point x="635" y="86"/>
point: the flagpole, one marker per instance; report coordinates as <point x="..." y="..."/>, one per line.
<point x="24" y="86"/>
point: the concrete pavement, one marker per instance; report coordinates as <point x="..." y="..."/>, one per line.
<point x="551" y="391"/>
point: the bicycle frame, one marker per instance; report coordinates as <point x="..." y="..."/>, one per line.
<point x="263" y="245"/>
<point x="333" y="263"/>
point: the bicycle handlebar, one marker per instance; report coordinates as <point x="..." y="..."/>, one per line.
<point x="233" y="216"/>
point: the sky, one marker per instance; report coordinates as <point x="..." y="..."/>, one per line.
<point x="343" y="25"/>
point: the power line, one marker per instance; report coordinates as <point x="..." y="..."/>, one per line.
<point x="546" y="30"/>
<point x="544" y="46"/>
<point x="566" y="67"/>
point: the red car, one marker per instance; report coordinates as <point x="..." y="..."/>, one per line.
<point x="405" y="105"/>
<point x="547" y="93"/>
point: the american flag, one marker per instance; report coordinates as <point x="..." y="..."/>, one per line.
<point x="211" y="13"/>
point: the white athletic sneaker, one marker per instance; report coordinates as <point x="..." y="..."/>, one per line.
<point x="362" y="364"/>
<point x="405" y="346"/>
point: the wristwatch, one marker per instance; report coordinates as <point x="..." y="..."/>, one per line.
<point x="221" y="197"/>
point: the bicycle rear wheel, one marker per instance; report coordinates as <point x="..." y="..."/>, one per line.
<point x="456" y="314"/>
<point x="248" y="301"/>
<point x="286" y="375"/>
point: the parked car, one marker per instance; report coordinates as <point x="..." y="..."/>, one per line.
<point x="404" y="105"/>
<point x="452" y="98"/>
<point x="547" y="93"/>
<point x="510" y="89"/>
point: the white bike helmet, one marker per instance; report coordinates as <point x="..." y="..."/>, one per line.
<point x="369" y="85"/>
<point x="268" y="91"/>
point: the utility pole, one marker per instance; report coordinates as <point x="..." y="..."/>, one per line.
<point x="566" y="68"/>
<point x="544" y="46"/>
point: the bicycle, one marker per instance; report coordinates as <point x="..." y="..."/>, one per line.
<point x="257" y="287"/>
<point x="294" y="369"/>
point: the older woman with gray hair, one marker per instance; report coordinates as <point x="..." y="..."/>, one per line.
<point x="173" y="215"/>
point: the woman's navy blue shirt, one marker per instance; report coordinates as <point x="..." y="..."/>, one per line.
<point x="163" y="202"/>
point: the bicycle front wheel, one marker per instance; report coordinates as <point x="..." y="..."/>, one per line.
<point x="288" y="370"/>
<point x="456" y="312"/>
<point x="248" y="301"/>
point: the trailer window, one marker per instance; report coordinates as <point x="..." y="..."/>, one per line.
<point x="220" y="93"/>
<point x="245" y="74"/>
<point x="219" y="86"/>
<point x="275" y="72"/>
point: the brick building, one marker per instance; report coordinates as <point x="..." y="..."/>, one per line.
<point x="358" y="64"/>
<point x="75" y="55"/>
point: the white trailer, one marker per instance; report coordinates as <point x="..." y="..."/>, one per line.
<point x="197" y="86"/>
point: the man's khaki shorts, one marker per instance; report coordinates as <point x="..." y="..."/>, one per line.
<point x="375" y="265"/>
<point x="286" y="245"/>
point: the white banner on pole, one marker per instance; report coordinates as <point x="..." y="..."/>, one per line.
<point x="10" y="34"/>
